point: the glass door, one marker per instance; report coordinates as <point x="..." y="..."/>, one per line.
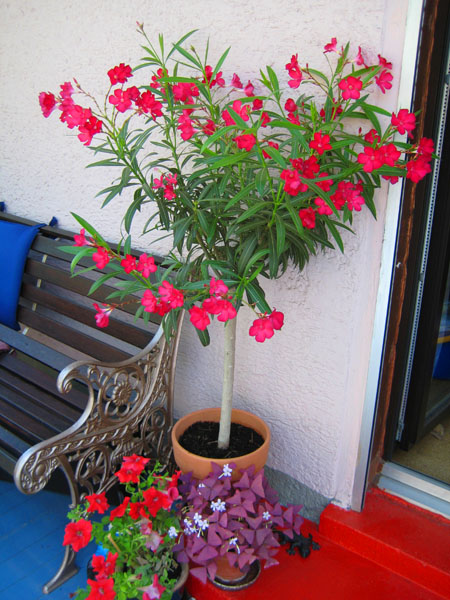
<point x="422" y="440"/>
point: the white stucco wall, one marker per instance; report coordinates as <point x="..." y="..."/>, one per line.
<point x="308" y="381"/>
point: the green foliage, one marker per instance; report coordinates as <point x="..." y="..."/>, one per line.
<point x="229" y="209"/>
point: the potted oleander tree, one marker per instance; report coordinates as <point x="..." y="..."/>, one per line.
<point x="246" y="179"/>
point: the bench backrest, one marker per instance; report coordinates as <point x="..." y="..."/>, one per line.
<point x="54" y="306"/>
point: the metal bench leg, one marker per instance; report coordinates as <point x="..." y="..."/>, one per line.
<point x="67" y="570"/>
<point x="68" y="567"/>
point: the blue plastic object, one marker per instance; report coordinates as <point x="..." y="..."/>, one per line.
<point x="15" y="242"/>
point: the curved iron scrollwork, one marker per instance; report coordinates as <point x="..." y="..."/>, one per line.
<point x="129" y="409"/>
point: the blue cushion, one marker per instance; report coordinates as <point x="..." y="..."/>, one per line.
<point x="15" y="241"/>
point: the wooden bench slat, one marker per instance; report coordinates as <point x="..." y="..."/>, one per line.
<point x="12" y="443"/>
<point x="27" y="345"/>
<point x="38" y="396"/>
<point x="67" y="307"/>
<point x="36" y="410"/>
<point x="25" y="368"/>
<point x="71" y="337"/>
<point x="22" y="424"/>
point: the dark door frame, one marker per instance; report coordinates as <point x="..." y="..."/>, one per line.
<point x="433" y="36"/>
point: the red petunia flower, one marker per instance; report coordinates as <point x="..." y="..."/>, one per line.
<point x="78" y="534"/>
<point x="97" y="503"/>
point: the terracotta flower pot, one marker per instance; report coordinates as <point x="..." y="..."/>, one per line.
<point x="232" y="578"/>
<point x="201" y="466"/>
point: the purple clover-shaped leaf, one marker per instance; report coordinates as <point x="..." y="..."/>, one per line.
<point x="254" y="523"/>
<point x="212" y="570"/>
<point x="200" y="572"/>
<point x="208" y="553"/>
<point x="262" y="535"/>
<point x="257" y="485"/>
<point x="244" y="482"/>
<point x="237" y="511"/>
<point x="249" y="535"/>
<point x="213" y="537"/>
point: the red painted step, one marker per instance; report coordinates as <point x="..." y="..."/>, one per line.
<point x="396" y="535"/>
<point x="331" y="573"/>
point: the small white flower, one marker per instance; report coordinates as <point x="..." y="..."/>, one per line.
<point x="172" y="533"/>
<point x="189" y="528"/>
<point x="197" y="519"/>
<point x="201" y="485"/>
<point x="218" y="505"/>
<point x="227" y="471"/>
<point x="267" y="516"/>
<point x="204" y="524"/>
<point x="234" y="542"/>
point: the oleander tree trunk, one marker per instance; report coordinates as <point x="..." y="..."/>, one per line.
<point x="227" y="387"/>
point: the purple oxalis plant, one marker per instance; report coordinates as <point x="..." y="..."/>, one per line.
<point x="237" y="519"/>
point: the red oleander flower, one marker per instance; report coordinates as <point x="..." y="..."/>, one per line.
<point x="404" y="121"/>
<point x="371" y="159"/>
<point x="90" y="128"/>
<point x="120" y="74"/>
<point x="425" y="148"/>
<point x="245" y="141"/>
<point x="121" y="100"/>
<point x="101" y="257"/>
<point x="240" y="109"/>
<point x="290" y="105"/>
<point x="383" y="81"/>
<point x="148" y="301"/>
<point x="350" y="87"/>
<point x="272" y="145"/>
<point x="277" y="319"/>
<point x="147" y="103"/>
<point x="236" y="82"/>
<point x="417" y="169"/>
<point x="359" y="60"/>
<point x="249" y="89"/>
<point x="262" y="329"/>
<point x="389" y="154"/>
<point x="307" y="217"/>
<point x="129" y="263"/>
<point x="199" y="317"/>
<point x="97" y="503"/>
<point x="292" y="183"/>
<point x="217" y="287"/>
<point x="384" y="63"/>
<point x="209" y="127"/>
<point x="322" y="207"/>
<point x="320" y="143"/>
<point x="146" y="265"/>
<point x="171" y="295"/>
<point x="80" y="239"/>
<point x="226" y="312"/>
<point x="185" y="92"/>
<point x="102" y="316"/>
<point x="48" y="103"/>
<point x="78" y="534"/>
<point x="331" y="47"/>
<point x="372" y="137"/>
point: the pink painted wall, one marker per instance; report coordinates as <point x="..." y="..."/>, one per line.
<point x="308" y="381"/>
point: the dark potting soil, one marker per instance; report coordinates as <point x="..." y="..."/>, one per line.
<point x="201" y="439"/>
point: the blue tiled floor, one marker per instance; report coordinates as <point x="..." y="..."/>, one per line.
<point x="31" y="534"/>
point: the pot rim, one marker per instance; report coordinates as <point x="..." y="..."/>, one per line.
<point x="213" y="414"/>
